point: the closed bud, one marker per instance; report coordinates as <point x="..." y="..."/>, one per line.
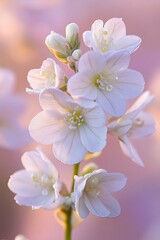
<point x="58" y="45"/>
<point x="90" y="167"/>
<point x="72" y="36"/>
<point x="76" y="54"/>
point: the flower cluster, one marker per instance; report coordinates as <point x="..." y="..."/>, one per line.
<point x="78" y="114"/>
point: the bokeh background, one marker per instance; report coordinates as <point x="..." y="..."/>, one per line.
<point x="24" y="24"/>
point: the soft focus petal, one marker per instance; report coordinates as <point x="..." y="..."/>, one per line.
<point x="119" y="128"/>
<point x="7" y="82"/>
<point x="87" y="38"/>
<point x="130" y="151"/>
<point x="146" y="125"/>
<point x="13" y="136"/>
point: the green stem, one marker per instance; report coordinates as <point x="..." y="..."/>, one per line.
<point x="68" y="234"/>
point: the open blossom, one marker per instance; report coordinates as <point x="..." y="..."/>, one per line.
<point x="12" y="134"/>
<point x="92" y="193"/>
<point x="110" y="36"/>
<point x="37" y="185"/>
<point x="106" y="79"/>
<point x="49" y="75"/>
<point x="72" y="128"/>
<point x="134" y="124"/>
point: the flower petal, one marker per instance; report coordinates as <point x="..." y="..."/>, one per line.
<point x="92" y="60"/>
<point x="81" y="208"/>
<point x="71" y="150"/>
<point x="22" y="184"/>
<point x="81" y="84"/>
<point x="130" y="43"/>
<point x="111" y="182"/>
<point x="35" y="80"/>
<point x="37" y="161"/>
<point x="94" y="139"/>
<point x="96" y="206"/>
<point x="54" y="99"/>
<point x="130" y="83"/>
<point x="115" y="28"/>
<point x="48" y="127"/>
<point x="130" y="151"/>
<point x="87" y="38"/>
<point x="36" y="202"/>
<point x="117" y="60"/>
<point x="112" y="102"/>
<point x="95" y="117"/>
<point x="146" y="127"/>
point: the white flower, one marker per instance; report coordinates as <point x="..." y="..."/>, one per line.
<point x="92" y="193"/>
<point x="71" y="128"/>
<point x="134" y="124"/>
<point x="49" y="75"/>
<point x="110" y="36"/>
<point x="37" y="185"/>
<point x="106" y="79"/>
<point x="12" y="134"/>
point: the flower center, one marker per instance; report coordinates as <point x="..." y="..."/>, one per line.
<point x="43" y="181"/>
<point x="49" y="76"/>
<point x="74" y="119"/>
<point x="138" y="122"/>
<point x="92" y="186"/>
<point x="103" y="83"/>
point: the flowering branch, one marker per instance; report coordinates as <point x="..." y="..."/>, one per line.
<point x="78" y="115"/>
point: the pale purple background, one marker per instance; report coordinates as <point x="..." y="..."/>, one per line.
<point x="23" y="28"/>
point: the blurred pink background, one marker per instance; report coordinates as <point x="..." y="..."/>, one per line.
<point x="24" y="24"/>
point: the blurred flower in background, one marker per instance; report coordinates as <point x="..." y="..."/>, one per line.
<point x="12" y="134"/>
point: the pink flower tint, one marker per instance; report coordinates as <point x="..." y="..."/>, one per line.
<point x="134" y="124"/>
<point x="110" y="36"/>
<point x="107" y="80"/>
<point x="37" y="185"/>
<point x="92" y="193"/>
<point x="49" y="75"/>
<point x="72" y="128"/>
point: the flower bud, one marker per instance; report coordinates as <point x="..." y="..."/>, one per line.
<point x="90" y="167"/>
<point x="76" y="54"/>
<point x="58" y="45"/>
<point x="90" y="155"/>
<point x="72" y="36"/>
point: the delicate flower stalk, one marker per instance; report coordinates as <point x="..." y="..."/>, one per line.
<point x="77" y="115"/>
